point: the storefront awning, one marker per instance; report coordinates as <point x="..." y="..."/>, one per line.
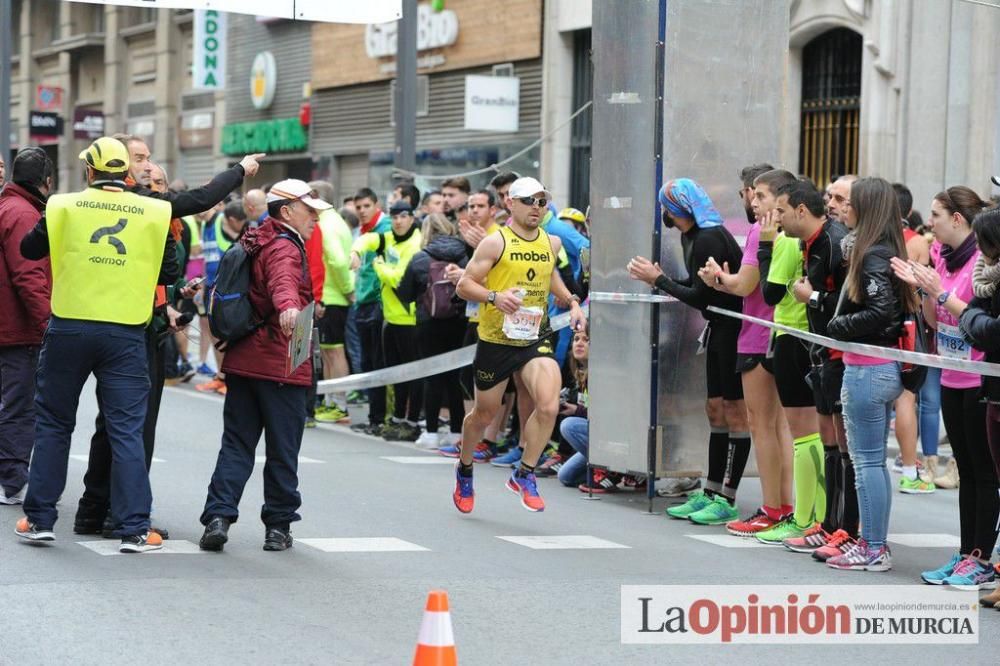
<point x="328" y="11"/>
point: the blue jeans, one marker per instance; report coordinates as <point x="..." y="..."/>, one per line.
<point x="116" y="354"/>
<point x="930" y="411"/>
<point x="867" y="394"/>
<point x="352" y="340"/>
<point x="576" y="431"/>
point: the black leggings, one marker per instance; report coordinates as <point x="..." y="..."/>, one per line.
<point x="400" y="344"/>
<point x="978" y="504"/>
<point x="438" y="336"/>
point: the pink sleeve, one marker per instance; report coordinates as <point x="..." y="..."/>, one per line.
<point x="750" y="249"/>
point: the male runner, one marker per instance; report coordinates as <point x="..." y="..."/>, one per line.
<point x="512" y="273"/>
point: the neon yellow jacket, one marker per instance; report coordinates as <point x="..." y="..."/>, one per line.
<point x="337" y="241"/>
<point x="392" y="256"/>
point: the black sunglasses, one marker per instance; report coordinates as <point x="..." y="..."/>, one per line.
<point x="532" y="201"/>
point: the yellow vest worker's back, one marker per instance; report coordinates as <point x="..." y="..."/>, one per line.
<point x="527" y="265"/>
<point x="106" y="249"/>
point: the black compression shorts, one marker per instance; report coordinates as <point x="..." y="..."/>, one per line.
<point x="496" y="364"/>
<point x="723" y="381"/>
<point x="791" y="367"/>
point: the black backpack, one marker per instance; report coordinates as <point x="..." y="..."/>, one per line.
<point x="231" y="316"/>
<point x="439" y="298"/>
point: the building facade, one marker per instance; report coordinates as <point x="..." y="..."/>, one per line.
<point x="479" y="94"/>
<point x="82" y="70"/>
<point x="903" y="89"/>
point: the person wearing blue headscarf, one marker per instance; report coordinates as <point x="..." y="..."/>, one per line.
<point x="685" y="198"/>
<point x="687" y="208"/>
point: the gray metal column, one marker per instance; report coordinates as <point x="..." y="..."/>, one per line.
<point x="406" y="88"/>
<point x="721" y="87"/>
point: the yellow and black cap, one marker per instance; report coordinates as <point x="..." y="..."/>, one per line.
<point x="107" y="155"/>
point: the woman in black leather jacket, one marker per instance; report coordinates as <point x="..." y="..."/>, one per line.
<point x="871" y="310"/>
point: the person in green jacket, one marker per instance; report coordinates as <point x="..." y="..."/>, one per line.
<point x="393" y="250"/>
<point x="368" y="307"/>
<point x="338" y="294"/>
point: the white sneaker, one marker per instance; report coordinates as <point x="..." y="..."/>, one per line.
<point x="679" y="486"/>
<point x="429" y="441"/>
<point x="13" y="499"/>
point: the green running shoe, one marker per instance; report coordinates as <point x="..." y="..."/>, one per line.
<point x="718" y="512"/>
<point x="915" y="486"/>
<point x="786" y="529"/>
<point x="695" y="502"/>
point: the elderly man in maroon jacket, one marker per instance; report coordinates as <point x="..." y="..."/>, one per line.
<point x="24" y="312"/>
<point x="261" y="396"/>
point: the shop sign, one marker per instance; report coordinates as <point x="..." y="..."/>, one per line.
<point x="42" y="123"/>
<point x="492" y="103"/>
<point x="434" y="30"/>
<point x="284" y="135"/>
<point x="209" y="62"/>
<point x="263" y="80"/>
<point x="48" y="98"/>
<point x="88" y="124"/>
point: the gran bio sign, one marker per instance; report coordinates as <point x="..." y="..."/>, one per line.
<point x="209" y="63"/>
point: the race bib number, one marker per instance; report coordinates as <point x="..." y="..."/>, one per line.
<point x="471" y="309"/>
<point x="523" y="324"/>
<point x="950" y="342"/>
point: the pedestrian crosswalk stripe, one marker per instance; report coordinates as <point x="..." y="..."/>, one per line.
<point x="420" y="460"/>
<point x="728" y="540"/>
<point x="83" y="458"/>
<point x="562" y="542"/>
<point x="362" y="545"/>
<point x="303" y="460"/>
<point x="926" y="540"/>
<point x="170" y="547"/>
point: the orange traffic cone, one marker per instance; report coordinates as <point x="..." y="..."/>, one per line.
<point x="436" y="643"/>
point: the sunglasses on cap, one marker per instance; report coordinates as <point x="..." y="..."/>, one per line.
<point x="541" y="202"/>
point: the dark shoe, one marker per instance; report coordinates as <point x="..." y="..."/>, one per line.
<point x="277" y="538"/>
<point x="108" y="528"/>
<point x="85" y="525"/>
<point x="216" y="534"/>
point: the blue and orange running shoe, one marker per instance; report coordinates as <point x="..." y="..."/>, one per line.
<point x="464" y="497"/>
<point x="527" y="487"/>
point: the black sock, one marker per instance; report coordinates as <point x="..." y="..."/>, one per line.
<point x="718" y="456"/>
<point x="525" y="469"/>
<point x="739" y="453"/>
<point x="465" y="470"/>
<point x="851" y="518"/>
<point x="831" y="467"/>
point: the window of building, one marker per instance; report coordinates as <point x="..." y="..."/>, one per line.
<point x="581" y="130"/>
<point x="15" y="32"/>
<point x="97" y="19"/>
<point x="831" y="105"/>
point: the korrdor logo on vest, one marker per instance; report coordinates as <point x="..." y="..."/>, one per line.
<point x="785" y="614"/>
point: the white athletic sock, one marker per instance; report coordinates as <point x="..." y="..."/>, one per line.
<point x="910" y="471"/>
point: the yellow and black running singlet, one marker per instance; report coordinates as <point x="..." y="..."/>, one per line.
<point x="526" y="265"/>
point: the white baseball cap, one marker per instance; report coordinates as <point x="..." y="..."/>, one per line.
<point x="296" y="190"/>
<point x="526" y="187"/>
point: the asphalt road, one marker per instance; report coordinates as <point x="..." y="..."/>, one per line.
<point x="385" y="534"/>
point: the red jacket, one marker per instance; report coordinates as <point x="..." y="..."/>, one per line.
<point x="25" y="286"/>
<point x="317" y="269"/>
<point x="279" y="281"/>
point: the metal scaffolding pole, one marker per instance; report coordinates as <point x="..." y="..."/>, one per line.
<point x="6" y="37"/>
<point x="406" y="88"/>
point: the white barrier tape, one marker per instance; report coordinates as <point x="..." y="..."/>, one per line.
<point x="620" y="297"/>
<point x="888" y="353"/>
<point x="427" y="367"/>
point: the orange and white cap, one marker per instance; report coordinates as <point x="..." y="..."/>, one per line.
<point x="436" y="643"/>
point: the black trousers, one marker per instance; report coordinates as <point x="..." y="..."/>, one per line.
<point x="17" y="414"/>
<point x="438" y="336"/>
<point x="255" y="406"/>
<point x="369" y="322"/>
<point x="400" y="344"/>
<point x="978" y="504"/>
<point x="96" y="498"/>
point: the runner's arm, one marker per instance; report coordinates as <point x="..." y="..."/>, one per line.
<point x="694" y="292"/>
<point x="470" y="286"/>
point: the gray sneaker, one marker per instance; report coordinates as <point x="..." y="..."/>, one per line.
<point x="679" y="486"/>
